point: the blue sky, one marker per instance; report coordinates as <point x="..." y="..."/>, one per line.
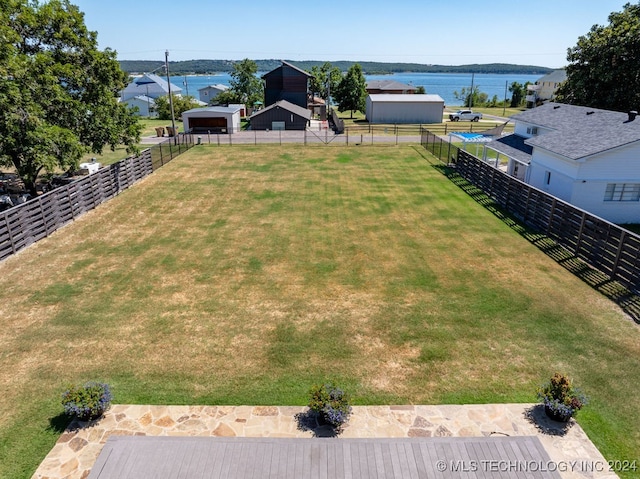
<point x="445" y="32"/>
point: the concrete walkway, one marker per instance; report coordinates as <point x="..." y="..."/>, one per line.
<point x="571" y="452"/>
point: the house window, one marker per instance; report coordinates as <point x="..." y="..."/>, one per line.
<point x="547" y="177"/>
<point x="532" y="130"/>
<point x="622" y="192"/>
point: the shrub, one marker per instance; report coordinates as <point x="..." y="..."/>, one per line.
<point x="561" y="399"/>
<point x="88" y="401"/>
<point x="331" y="404"/>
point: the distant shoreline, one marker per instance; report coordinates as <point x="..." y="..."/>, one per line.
<point x="212" y="67"/>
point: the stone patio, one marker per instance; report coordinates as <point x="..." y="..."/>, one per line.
<point x="570" y="450"/>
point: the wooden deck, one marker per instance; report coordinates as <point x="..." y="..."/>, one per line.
<point x="165" y="457"/>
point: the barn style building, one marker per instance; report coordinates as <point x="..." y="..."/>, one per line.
<point x="282" y="115"/>
<point x="287" y="82"/>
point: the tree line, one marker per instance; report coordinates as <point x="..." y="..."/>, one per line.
<point x="203" y="67"/>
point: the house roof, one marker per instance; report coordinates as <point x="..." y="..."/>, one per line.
<point x="415" y="98"/>
<point x="388" y="85"/>
<point x="213" y="109"/>
<point x="513" y="146"/>
<point x="143" y="98"/>
<point x="284" y="104"/>
<point x="290" y="66"/>
<point x="217" y="86"/>
<point x="556" y="76"/>
<point x="149" y="78"/>
<point x="579" y="131"/>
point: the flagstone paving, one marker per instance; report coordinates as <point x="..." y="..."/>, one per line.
<point x="572" y="454"/>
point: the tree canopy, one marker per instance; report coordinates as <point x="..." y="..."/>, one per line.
<point x="324" y="80"/>
<point x="603" y="70"/>
<point x="244" y="84"/>
<point x="58" y="92"/>
<point x="351" y="93"/>
<point x="180" y="105"/>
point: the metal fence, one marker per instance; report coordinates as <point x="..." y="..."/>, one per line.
<point x="29" y="222"/>
<point x="605" y="246"/>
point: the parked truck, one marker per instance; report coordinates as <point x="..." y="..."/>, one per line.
<point x="465" y="115"/>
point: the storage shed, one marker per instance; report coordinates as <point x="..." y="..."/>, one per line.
<point x="282" y="115"/>
<point x="214" y="119"/>
<point x="417" y="108"/>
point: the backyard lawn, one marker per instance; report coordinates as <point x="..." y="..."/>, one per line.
<point x="243" y="275"/>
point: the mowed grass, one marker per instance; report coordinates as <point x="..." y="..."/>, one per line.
<point x="243" y="275"/>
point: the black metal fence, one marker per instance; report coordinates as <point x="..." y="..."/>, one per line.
<point x="605" y="246"/>
<point x="29" y="222"/>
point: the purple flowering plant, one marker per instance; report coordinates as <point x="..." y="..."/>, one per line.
<point x="87" y="401"/>
<point x="331" y="404"/>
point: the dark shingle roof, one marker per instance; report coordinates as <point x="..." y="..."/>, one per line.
<point x="513" y="146"/>
<point x="579" y="131"/>
<point x="284" y="104"/>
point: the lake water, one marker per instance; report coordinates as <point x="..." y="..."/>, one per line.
<point x="443" y="84"/>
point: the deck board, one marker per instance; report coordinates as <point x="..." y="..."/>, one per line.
<point x="170" y="457"/>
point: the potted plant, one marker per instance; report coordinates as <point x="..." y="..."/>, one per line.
<point x="560" y="398"/>
<point x="331" y="404"/>
<point x="88" y="401"/>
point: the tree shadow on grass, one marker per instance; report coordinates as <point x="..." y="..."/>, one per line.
<point x="628" y="301"/>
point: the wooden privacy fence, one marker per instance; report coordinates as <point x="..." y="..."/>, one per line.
<point x="605" y="246"/>
<point x="29" y="222"/>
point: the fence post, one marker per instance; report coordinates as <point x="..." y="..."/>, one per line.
<point x="614" y="269"/>
<point x="584" y="217"/>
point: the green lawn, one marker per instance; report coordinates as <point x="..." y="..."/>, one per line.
<point x="243" y="275"/>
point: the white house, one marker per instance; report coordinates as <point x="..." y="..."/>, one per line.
<point x="393" y="108"/>
<point x="146" y="105"/>
<point x="149" y="85"/>
<point x="213" y="119"/>
<point x="544" y="89"/>
<point x="208" y="93"/>
<point x="585" y="156"/>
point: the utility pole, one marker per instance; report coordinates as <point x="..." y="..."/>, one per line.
<point x="166" y="65"/>
<point x="471" y="92"/>
<point x="504" y="105"/>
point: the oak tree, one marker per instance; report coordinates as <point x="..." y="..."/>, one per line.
<point x="58" y="91"/>
<point x="351" y="93"/>
<point x="244" y="83"/>
<point x="603" y="66"/>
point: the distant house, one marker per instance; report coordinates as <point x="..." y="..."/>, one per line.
<point x="146" y="105"/>
<point x="149" y="85"/>
<point x="210" y="92"/>
<point x="212" y="119"/>
<point x="585" y="156"/>
<point x="287" y="82"/>
<point x="281" y="115"/>
<point x="545" y="88"/>
<point x="375" y="87"/>
<point x="416" y="108"/>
